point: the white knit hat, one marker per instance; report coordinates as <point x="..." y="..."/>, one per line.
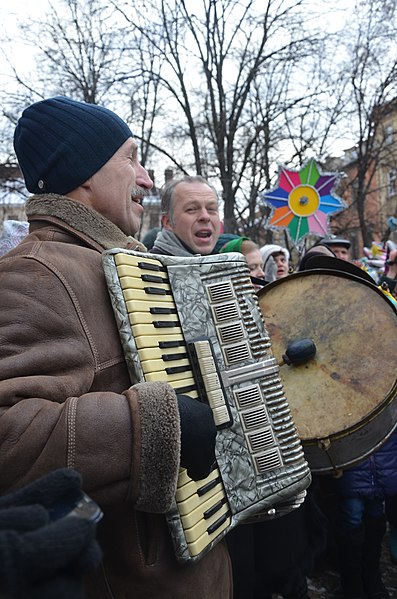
<point x="270" y="249"/>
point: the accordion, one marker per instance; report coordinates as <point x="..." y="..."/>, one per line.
<point x="196" y="324"/>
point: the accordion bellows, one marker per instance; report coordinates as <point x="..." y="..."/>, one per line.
<point x="196" y="324"/>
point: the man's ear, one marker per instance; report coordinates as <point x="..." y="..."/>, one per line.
<point x="87" y="184"/>
<point x="166" y="222"/>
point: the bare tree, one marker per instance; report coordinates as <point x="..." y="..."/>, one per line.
<point x="224" y="88"/>
<point x="371" y="71"/>
<point x="81" y="51"/>
<point x="225" y="73"/>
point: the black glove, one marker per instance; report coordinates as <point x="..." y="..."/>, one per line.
<point x="198" y="434"/>
<point x="63" y="484"/>
<point x="40" y="558"/>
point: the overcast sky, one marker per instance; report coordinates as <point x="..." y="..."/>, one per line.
<point x="13" y="12"/>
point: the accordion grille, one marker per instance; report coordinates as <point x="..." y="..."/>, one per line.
<point x="247" y="397"/>
<point x="270" y="460"/>
<point x="261" y="439"/>
<point x="255" y="418"/>
<point x="231" y="333"/>
<point x="225" y="312"/>
<point x="235" y="353"/>
<point x="219" y="292"/>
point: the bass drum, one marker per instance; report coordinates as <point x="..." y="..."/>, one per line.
<point x="343" y="400"/>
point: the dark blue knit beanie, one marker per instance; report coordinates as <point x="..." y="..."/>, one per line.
<point x="61" y="143"/>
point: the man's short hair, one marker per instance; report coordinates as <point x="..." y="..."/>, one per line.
<point x="249" y="246"/>
<point x="167" y="192"/>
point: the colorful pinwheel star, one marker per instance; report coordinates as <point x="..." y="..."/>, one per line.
<point x="303" y="200"/>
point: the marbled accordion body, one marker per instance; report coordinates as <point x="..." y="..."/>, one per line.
<point x="195" y="323"/>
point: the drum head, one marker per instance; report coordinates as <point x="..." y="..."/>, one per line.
<point x="354" y="327"/>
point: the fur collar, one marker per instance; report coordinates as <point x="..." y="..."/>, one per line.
<point x="83" y="219"/>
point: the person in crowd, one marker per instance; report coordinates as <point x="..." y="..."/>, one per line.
<point x="275" y="262"/>
<point x="66" y="396"/>
<point x="340" y="247"/>
<point x="390" y="275"/>
<point x="250" y="250"/>
<point x="356" y="509"/>
<point x="190" y="217"/>
<point x="362" y="490"/>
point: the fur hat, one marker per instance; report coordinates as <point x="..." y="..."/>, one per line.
<point x="61" y="143"/>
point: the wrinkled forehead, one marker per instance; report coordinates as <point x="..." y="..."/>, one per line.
<point x="190" y="192"/>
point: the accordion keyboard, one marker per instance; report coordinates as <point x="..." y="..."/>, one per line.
<point x="195" y="323"/>
<point x="163" y="356"/>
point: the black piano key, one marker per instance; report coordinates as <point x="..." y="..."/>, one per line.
<point x="158" y="310"/>
<point x="167" y="344"/>
<point x="214" y="508"/>
<point x="218" y="523"/>
<point x="154" y="279"/>
<point x="205" y="488"/>
<point x="150" y="266"/>
<point x="176" y="369"/>
<point x="174" y="357"/>
<point x="165" y="324"/>
<point x="156" y="291"/>
<point x="185" y="389"/>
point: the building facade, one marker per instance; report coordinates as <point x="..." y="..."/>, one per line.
<point x="369" y="184"/>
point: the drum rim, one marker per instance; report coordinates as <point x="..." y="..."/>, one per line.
<point x="324" y="271"/>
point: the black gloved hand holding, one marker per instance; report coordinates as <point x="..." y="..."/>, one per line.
<point x="40" y="558"/>
<point x="63" y="484"/>
<point x="198" y="434"/>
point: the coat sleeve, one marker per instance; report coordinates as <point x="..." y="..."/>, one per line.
<point x="125" y="444"/>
